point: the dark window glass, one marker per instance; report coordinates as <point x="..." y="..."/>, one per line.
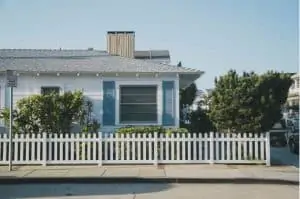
<point x="138" y="104"/>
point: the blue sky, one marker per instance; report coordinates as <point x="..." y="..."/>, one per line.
<point x="211" y="35"/>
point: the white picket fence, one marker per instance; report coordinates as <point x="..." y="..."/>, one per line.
<point x="136" y="149"/>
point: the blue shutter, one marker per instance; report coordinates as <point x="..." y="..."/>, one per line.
<point x="168" y="103"/>
<point x="7" y="97"/>
<point x="109" y="98"/>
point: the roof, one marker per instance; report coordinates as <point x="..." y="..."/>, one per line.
<point x="45" y="60"/>
<point x="151" y="54"/>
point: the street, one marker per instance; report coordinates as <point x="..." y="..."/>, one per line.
<point x="147" y="191"/>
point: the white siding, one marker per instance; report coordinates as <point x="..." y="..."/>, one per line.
<point x="90" y="85"/>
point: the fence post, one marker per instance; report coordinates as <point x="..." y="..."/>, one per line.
<point x="44" y="149"/>
<point x="100" y="149"/>
<point x="211" y="148"/>
<point x="268" y="149"/>
<point x="155" y="149"/>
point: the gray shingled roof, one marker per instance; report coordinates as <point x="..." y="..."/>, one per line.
<point x="79" y="61"/>
<point x="48" y="53"/>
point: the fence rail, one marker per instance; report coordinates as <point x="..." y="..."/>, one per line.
<point x="136" y="148"/>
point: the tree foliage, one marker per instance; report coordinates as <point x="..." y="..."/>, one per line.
<point x="187" y="97"/>
<point x="200" y="121"/>
<point x="52" y="113"/>
<point x="248" y="102"/>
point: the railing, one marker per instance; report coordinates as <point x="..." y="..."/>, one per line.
<point x="136" y="148"/>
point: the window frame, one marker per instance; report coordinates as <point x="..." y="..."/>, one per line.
<point x="52" y="86"/>
<point x="120" y="84"/>
<point x="142" y="103"/>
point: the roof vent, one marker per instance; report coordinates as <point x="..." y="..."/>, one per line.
<point x="90" y="49"/>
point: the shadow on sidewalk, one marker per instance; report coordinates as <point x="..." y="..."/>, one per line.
<point x="84" y="187"/>
<point x="82" y="190"/>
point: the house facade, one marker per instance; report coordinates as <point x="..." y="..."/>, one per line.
<point x="293" y="95"/>
<point x="124" y="90"/>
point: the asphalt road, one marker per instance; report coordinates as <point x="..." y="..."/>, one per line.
<point x="148" y="191"/>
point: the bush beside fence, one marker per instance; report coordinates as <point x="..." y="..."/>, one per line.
<point x="135" y="148"/>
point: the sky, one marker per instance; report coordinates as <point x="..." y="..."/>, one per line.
<point x="213" y="36"/>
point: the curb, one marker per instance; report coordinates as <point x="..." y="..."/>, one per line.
<point x="127" y="180"/>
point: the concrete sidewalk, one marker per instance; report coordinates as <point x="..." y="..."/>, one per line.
<point x="170" y="173"/>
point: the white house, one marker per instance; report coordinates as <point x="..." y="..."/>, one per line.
<point x="293" y="96"/>
<point x="200" y="96"/>
<point x="124" y="91"/>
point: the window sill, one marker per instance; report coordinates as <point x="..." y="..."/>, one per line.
<point x="138" y="124"/>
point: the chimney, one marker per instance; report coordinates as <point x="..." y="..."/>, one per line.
<point x="121" y="43"/>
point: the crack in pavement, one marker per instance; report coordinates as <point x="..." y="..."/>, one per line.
<point x="28" y="173"/>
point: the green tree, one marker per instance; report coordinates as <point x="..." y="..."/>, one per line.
<point x="200" y="121"/>
<point x="187" y="97"/>
<point x="248" y="102"/>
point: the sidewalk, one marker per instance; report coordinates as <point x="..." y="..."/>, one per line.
<point x="167" y="174"/>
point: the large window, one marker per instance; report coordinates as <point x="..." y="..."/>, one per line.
<point x="46" y="90"/>
<point x="138" y="104"/>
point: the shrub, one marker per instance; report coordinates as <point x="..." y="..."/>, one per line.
<point x="150" y="130"/>
<point x="52" y="113"/>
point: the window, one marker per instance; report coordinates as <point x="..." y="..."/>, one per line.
<point x="138" y="104"/>
<point x="49" y="89"/>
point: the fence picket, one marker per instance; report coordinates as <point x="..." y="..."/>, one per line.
<point x="167" y="147"/>
<point x="250" y="142"/>
<point x="216" y="149"/>
<point x="61" y="147"/>
<point x="150" y="148"/>
<point x="172" y="147"/>
<point x="88" y="145"/>
<point x="139" y="151"/>
<point x="27" y="149"/>
<point x="223" y="146"/>
<point x="67" y="158"/>
<point x="245" y="147"/>
<point x="94" y="147"/>
<point x="189" y="147"/>
<point x="206" y="147"/>
<point x="145" y="147"/>
<point x="161" y="147"/>
<point x="77" y="148"/>
<point x="100" y="149"/>
<point x="183" y="145"/>
<point x="133" y="149"/>
<point x="211" y="148"/>
<point x="117" y="147"/>
<point x="39" y="150"/>
<point x="228" y="151"/>
<point x="200" y="152"/>
<point x="122" y="147"/>
<point x="21" y="147"/>
<point x="256" y="149"/>
<point x="106" y="146"/>
<point x="239" y="146"/>
<point x="234" y="147"/>
<point x="72" y="139"/>
<point x="195" y="141"/>
<point x="128" y="141"/>
<point x="16" y="148"/>
<point x="262" y="147"/>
